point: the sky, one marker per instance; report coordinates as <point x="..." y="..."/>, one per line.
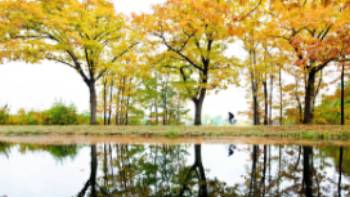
<point x="37" y="86"/>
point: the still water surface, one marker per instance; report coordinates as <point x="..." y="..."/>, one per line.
<point x="173" y="170"/>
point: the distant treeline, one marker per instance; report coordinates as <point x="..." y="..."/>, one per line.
<point x="58" y="114"/>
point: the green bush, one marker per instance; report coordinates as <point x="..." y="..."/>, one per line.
<point x="4" y="115"/>
<point x="61" y="114"/>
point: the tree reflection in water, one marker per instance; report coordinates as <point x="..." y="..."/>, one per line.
<point x="176" y="170"/>
<point x="165" y="170"/>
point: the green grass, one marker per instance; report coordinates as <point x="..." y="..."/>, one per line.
<point x="319" y="132"/>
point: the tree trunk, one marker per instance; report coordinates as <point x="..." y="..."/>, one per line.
<point x="198" y="104"/>
<point x="178" y="111"/>
<point x="165" y="108"/>
<point x="342" y="114"/>
<point x="93" y="103"/>
<point x="127" y="103"/>
<point x="104" y="101"/>
<point x="309" y="97"/>
<point x="109" y="121"/>
<point x="156" y="112"/>
<point x="281" y="95"/>
<point x="117" y="107"/>
<point x="256" y="116"/>
<point x="254" y="84"/>
<point x="266" y="104"/>
<point x="300" y="109"/>
<point x="271" y="98"/>
<point x="317" y="90"/>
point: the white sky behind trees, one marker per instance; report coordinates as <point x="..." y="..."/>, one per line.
<point x="38" y="86"/>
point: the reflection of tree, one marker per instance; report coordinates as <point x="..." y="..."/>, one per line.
<point x="307" y="170"/>
<point x="253" y="187"/>
<point x="137" y="170"/>
<point x="163" y="170"/>
<point x="57" y="151"/>
<point x="198" y="169"/>
<point x="129" y="170"/>
<point x="5" y="148"/>
<point x="340" y="170"/>
<point x="292" y="171"/>
<point x="91" y="182"/>
<point x="340" y="157"/>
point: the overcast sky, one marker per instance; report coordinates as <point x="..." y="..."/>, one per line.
<point x="38" y="86"/>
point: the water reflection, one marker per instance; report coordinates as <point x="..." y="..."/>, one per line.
<point x="194" y="170"/>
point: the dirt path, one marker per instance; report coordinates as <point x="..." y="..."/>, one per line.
<point x="90" y="139"/>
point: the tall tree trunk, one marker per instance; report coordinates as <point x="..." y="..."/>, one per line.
<point x="127" y="103"/>
<point x="198" y="104"/>
<point x="254" y="87"/>
<point x="266" y="104"/>
<point x="165" y="107"/>
<point x="104" y="101"/>
<point x="317" y="90"/>
<point x="109" y="121"/>
<point x="307" y="171"/>
<point x="93" y="103"/>
<point x="281" y="95"/>
<point x="297" y="98"/>
<point x="309" y="97"/>
<point x="122" y="102"/>
<point x="256" y="115"/>
<point x="271" y="98"/>
<point x="342" y="113"/>
<point x="178" y="111"/>
<point x="300" y="108"/>
<point x="117" y="106"/>
<point x="156" y="111"/>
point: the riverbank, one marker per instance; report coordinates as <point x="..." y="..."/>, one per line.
<point x="314" y="132"/>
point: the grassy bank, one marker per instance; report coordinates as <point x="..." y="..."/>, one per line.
<point x="290" y="132"/>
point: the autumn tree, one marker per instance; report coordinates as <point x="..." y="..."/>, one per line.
<point x="87" y="36"/>
<point x="260" y="64"/>
<point x="191" y="37"/>
<point x="344" y="37"/>
<point x="308" y="28"/>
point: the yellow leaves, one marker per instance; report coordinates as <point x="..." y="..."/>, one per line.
<point x="86" y="34"/>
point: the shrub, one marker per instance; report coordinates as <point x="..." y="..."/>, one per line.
<point x="61" y="114"/>
<point x="4" y="115"/>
